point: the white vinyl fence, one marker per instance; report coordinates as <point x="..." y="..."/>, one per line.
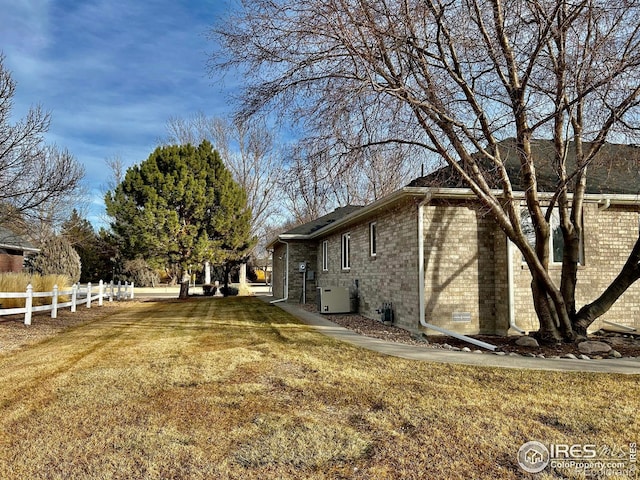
<point x="79" y="296"/>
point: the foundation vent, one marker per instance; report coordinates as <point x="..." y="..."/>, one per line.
<point x="461" y="317"/>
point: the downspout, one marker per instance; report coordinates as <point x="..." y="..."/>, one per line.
<point x="286" y="276"/>
<point x="511" y="289"/>
<point x="421" y="278"/>
<point x="605" y="204"/>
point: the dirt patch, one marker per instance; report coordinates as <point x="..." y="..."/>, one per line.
<point x="14" y="334"/>
<point x="627" y="345"/>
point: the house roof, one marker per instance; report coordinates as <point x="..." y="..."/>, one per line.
<point x="313" y="226"/>
<point x="615" y="170"/>
<point x="616" y="180"/>
<point x="11" y="240"/>
<point x="329" y="218"/>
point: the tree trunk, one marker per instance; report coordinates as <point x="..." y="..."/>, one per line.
<point x="184" y="285"/>
<point x="227" y="272"/>
<point x="548" y="332"/>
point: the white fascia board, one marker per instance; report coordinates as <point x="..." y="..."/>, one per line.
<point x="17" y="247"/>
<point x="451" y="193"/>
<point x="368" y="209"/>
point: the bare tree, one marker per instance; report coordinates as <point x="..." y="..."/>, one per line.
<point x="457" y="78"/>
<point x="33" y="175"/>
<point x="318" y="179"/>
<point x="249" y="151"/>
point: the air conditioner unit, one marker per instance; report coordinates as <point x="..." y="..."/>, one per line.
<point x="333" y="300"/>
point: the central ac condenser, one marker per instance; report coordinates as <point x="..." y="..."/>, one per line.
<point x="333" y="300"/>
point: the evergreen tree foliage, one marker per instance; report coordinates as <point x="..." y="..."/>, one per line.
<point x="80" y="234"/>
<point x="57" y="257"/>
<point x="181" y="207"/>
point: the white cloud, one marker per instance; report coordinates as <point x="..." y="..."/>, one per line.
<point x="112" y="72"/>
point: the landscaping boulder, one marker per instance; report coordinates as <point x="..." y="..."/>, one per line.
<point x="591" y="347"/>
<point x="527" y="342"/>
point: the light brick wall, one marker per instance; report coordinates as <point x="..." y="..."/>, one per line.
<point x="609" y="236"/>
<point x="298" y="252"/>
<point x="390" y="276"/>
<point x="464" y="269"/>
<point x="278" y="277"/>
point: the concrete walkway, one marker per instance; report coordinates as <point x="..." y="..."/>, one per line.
<point x="486" y="359"/>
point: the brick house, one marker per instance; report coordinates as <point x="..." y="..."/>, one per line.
<point x="430" y="250"/>
<point x="13" y="250"/>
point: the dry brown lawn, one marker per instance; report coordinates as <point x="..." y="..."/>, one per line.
<point x="235" y="388"/>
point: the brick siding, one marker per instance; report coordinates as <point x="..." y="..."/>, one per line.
<point x="465" y="265"/>
<point x="390" y="276"/>
<point x="609" y="235"/>
<point x="11" y="263"/>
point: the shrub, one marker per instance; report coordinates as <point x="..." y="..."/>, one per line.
<point x="57" y="257"/>
<point x="209" y="290"/>
<point x="18" y="282"/>
<point x="229" y="291"/>
<point x="245" y="291"/>
<point x="140" y="273"/>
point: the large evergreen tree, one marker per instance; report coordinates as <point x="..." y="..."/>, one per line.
<point x="181" y="207"/>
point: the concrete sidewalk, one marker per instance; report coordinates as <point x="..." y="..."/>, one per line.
<point x="486" y="359"/>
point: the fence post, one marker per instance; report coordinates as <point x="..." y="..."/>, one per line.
<point x="28" y="305"/>
<point x="111" y="291"/>
<point x="54" y="302"/>
<point x="100" y="292"/>
<point x="74" y="296"/>
<point x="89" y="295"/>
<point x="131" y="297"/>
<point x="119" y="288"/>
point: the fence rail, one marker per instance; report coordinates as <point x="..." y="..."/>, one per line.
<point x="79" y="296"/>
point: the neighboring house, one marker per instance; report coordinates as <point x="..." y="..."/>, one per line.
<point x="431" y="250"/>
<point x="13" y="250"/>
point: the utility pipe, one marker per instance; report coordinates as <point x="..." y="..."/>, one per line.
<point x="619" y="325"/>
<point x="286" y="276"/>
<point x="421" y="278"/>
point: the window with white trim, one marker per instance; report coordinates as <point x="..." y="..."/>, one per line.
<point x="556" y="241"/>
<point x="373" y="247"/>
<point x="346" y="251"/>
<point x="325" y="256"/>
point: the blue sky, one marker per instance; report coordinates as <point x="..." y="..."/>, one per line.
<point x="111" y="72"/>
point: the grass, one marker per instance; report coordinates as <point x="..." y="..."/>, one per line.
<point x="235" y="388"/>
<point x="18" y="282"/>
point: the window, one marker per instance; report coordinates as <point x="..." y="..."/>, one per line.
<point x="373" y="248"/>
<point x="556" y="244"/>
<point x="346" y="251"/>
<point x="325" y="256"/>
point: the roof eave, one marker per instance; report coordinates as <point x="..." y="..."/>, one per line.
<point x="438" y="192"/>
<point x="19" y="247"/>
<point x="398" y="195"/>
